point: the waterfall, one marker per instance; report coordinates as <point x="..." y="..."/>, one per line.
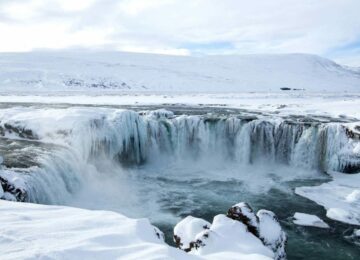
<point x="128" y="138"/>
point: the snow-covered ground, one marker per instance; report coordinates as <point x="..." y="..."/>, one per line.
<point x="33" y="231"/>
<point x="340" y="197"/>
<point x="49" y="71"/>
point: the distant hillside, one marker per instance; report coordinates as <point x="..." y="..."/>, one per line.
<point x="49" y="71"/>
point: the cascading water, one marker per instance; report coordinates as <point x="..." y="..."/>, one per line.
<point x="131" y="138"/>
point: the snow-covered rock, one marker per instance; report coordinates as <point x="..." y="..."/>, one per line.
<point x="13" y="186"/>
<point x="228" y="235"/>
<point x="271" y="233"/>
<point x="187" y="229"/>
<point x="263" y="225"/>
<point x="239" y="231"/>
<point x="303" y="219"/>
<point x="243" y="212"/>
<point x="44" y="71"/>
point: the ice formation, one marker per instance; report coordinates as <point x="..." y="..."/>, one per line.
<point x="303" y="219"/>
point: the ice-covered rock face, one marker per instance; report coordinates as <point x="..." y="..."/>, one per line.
<point x="238" y="231"/>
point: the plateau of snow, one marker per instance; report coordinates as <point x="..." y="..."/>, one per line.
<point x="54" y="71"/>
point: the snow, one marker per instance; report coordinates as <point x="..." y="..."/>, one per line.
<point x="188" y="228"/>
<point x="239" y="232"/>
<point x="271" y="233"/>
<point x="227" y="235"/>
<point x="243" y="210"/>
<point x="8" y="196"/>
<point x="342" y="105"/>
<point x="303" y="219"/>
<point x="353" y="197"/>
<point x="49" y="71"/>
<point x="31" y="231"/>
<point x="340" y="197"/>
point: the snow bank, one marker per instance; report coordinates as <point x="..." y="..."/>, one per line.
<point x="32" y="231"/>
<point x="303" y="219"/>
<point x="49" y="71"/>
<point x="37" y="231"/>
<point x="340" y="197"/>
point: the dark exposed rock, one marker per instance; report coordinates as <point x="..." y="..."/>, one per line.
<point x="352" y="134"/>
<point x="20" y="131"/>
<point x="19" y="193"/>
<point x="352" y="168"/>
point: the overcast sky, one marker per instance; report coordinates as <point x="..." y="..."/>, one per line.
<point x="329" y="28"/>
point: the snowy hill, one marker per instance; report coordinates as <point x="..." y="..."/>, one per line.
<point x="53" y="71"/>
